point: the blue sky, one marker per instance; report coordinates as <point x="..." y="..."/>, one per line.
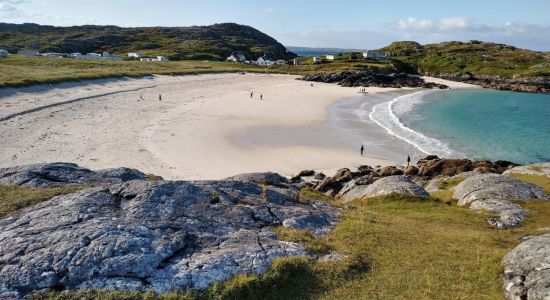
<point x="349" y="24"/>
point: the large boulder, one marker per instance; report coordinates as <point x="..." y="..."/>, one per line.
<point x="390" y="171"/>
<point x="388" y="185"/>
<point x="494" y="186"/>
<point x="527" y="269"/>
<point x="49" y="175"/>
<point x="542" y="169"/>
<point x="154" y="235"/>
<point x="510" y="215"/>
<point x="343" y="175"/>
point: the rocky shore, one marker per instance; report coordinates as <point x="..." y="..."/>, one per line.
<point x="125" y="230"/>
<point x="528" y="85"/>
<point x="372" y="79"/>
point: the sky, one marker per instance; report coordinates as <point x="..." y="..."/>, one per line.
<point x="361" y="24"/>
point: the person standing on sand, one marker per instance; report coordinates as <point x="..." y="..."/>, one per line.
<point x="262" y="97"/>
<point x="160" y="97"/>
<point x="251" y="95"/>
<point x="362" y="149"/>
<point x="408" y="160"/>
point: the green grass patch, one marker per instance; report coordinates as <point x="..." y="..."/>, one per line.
<point x="15" y="198"/>
<point x="449" y="183"/>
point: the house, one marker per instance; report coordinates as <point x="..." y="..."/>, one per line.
<point x="107" y="56"/>
<point x="3" y="53"/>
<point x="264" y="61"/>
<point x="236" y="57"/>
<point x="92" y="56"/>
<point x="54" y="55"/>
<point x="158" y="58"/>
<point x="374" y="54"/>
<point x="135" y="55"/>
<point x="75" y="54"/>
<point x="297" y="61"/>
<point x="316" y="60"/>
<point x="28" y="52"/>
<point x="330" y="57"/>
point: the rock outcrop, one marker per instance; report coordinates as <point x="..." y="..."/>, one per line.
<point x="432" y="166"/>
<point x="148" y="235"/>
<point x="542" y="169"/>
<point x="527" y="269"/>
<point x="510" y="215"/>
<point x="388" y="185"/>
<point x="61" y="174"/>
<point x="371" y="78"/>
<point x="494" y="186"/>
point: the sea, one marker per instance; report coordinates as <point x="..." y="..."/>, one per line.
<point x="470" y="123"/>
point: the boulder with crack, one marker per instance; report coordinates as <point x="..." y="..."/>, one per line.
<point x="388" y="185"/>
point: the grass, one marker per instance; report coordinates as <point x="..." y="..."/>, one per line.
<point x="15" y="198"/>
<point x="308" y="194"/>
<point x="23" y="71"/>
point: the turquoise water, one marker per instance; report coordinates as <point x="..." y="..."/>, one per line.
<point x="485" y="124"/>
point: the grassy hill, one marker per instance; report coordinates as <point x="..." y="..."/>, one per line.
<point x="214" y="42"/>
<point x="477" y="58"/>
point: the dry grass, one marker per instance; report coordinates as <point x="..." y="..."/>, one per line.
<point x="15" y="198"/>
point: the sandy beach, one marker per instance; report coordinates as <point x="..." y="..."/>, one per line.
<point x="205" y="127"/>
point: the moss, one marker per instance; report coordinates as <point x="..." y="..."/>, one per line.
<point x="449" y="183"/>
<point x="15" y="198"/>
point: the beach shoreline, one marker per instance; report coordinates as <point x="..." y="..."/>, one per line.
<point x="205" y="127"/>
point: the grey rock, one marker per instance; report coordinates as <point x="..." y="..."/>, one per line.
<point x="393" y="184"/>
<point x="433" y="185"/>
<point x="527" y="269"/>
<point x="260" y="178"/>
<point x="320" y="176"/>
<point x="541" y="169"/>
<point x="153" y="235"/>
<point x="390" y="171"/>
<point x="306" y="173"/>
<point x="62" y="174"/>
<point x="510" y="215"/>
<point x="343" y="175"/>
<point x="494" y="186"/>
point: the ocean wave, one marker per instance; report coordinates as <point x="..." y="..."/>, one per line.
<point x="384" y="114"/>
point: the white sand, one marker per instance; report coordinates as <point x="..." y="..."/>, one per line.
<point x="187" y="135"/>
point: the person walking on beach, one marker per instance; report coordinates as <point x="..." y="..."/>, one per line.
<point x="160" y="97"/>
<point x="408" y="160"/>
<point x="251" y="95"/>
<point x="262" y="97"/>
<point x="362" y="149"/>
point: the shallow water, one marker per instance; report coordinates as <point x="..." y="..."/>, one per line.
<point x="478" y="124"/>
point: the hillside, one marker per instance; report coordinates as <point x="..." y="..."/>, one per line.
<point x="214" y="42"/>
<point x="472" y="58"/>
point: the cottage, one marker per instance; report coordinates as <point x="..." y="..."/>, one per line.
<point x="54" y="55"/>
<point x="135" y="55"/>
<point x="92" y="56"/>
<point x="236" y="57"/>
<point x="316" y="60"/>
<point x="158" y="58"/>
<point x="375" y="54"/>
<point x="3" y="53"/>
<point x="161" y="58"/>
<point x="330" y="57"/>
<point x="297" y="61"/>
<point x="28" y="52"/>
<point x="263" y="61"/>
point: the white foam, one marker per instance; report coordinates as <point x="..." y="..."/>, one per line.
<point x="384" y="114"/>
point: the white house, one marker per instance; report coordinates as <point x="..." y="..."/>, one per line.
<point x="158" y="58"/>
<point x="297" y="61"/>
<point x="3" y="53"/>
<point x="28" y="52"/>
<point x="236" y="57"/>
<point x="374" y="54"/>
<point x="316" y="60"/>
<point x="135" y="54"/>
<point x="263" y="61"/>
<point x="330" y="57"/>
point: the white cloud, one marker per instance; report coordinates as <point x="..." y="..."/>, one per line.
<point x="14" y="11"/>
